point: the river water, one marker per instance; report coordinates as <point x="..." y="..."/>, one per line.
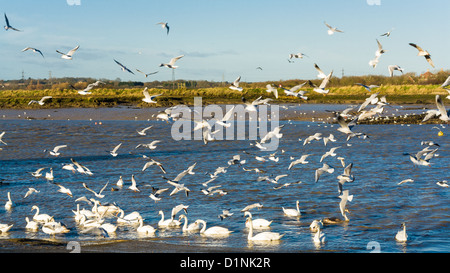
<point x="378" y="208"/>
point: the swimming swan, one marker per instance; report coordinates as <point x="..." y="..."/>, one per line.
<point x="263" y="236"/>
<point x="316" y="225"/>
<point x="131" y="218"/>
<point x="401" y="235"/>
<point x="213" y="231"/>
<point x="189" y="228"/>
<point x="292" y="212"/>
<point x="8" y="204"/>
<point x="169" y="223"/>
<point x="256" y="223"/>
<point x="145" y="230"/>
<point x="5" y="228"/>
<point x="42" y="218"/>
<point x="319" y="237"/>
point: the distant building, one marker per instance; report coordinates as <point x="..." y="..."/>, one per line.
<point x="426" y="75"/>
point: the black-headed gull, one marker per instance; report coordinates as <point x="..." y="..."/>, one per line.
<point x="124" y="68"/>
<point x="149" y="98"/>
<point x="41" y="101"/>
<point x="235" y="85"/>
<point x="392" y="68"/>
<point x="332" y="30"/>
<point x="171" y="64"/>
<point x="146" y="74"/>
<point x="8" y="26"/>
<point x="164" y="25"/>
<point x="34" y="50"/>
<point x="321" y="75"/>
<point x="423" y="53"/>
<point x="68" y="55"/>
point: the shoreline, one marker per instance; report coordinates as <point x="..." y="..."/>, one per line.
<point x="149" y="245"/>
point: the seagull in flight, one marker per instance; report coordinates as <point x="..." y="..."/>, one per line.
<point x="321" y="74"/>
<point x="235" y="85"/>
<point x="34" y="50"/>
<point x="8" y="26"/>
<point x="146" y="74"/>
<point x="321" y="88"/>
<point x="387" y="34"/>
<point x="172" y="62"/>
<point x="368" y="88"/>
<point x="423" y="53"/>
<point x="391" y="69"/>
<point x="149" y="98"/>
<point x="55" y="151"/>
<point x="332" y="30"/>
<point x="164" y="25"/>
<point x="298" y="55"/>
<point x="68" y="55"/>
<point x="41" y="101"/>
<point x="124" y="68"/>
<point x="380" y="49"/>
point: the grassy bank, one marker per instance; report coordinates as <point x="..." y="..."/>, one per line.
<point x="103" y="97"/>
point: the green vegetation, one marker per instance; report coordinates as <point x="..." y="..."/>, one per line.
<point x="103" y="97"/>
<point x="403" y="89"/>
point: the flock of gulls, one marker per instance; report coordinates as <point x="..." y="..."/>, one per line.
<point x="104" y="218"/>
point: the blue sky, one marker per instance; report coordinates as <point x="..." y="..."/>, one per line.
<point x="221" y="39"/>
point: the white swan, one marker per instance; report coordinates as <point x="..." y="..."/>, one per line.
<point x="41" y="218"/>
<point x="189" y="228"/>
<point x="213" y="231"/>
<point x="292" y="212"/>
<point x="131" y="218"/>
<point x="316" y="225"/>
<point x="401" y="235"/>
<point x="31" y="225"/>
<point x="8" y="204"/>
<point x="85" y="223"/>
<point x="147" y="229"/>
<point x="109" y="228"/>
<point x="319" y="237"/>
<point x="5" y="228"/>
<point x="105" y="210"/>
<point x="256" y="223"/>
<point x="53" y="228"/>
<point x="263" y="236"/>
<point x="169" y="223"/>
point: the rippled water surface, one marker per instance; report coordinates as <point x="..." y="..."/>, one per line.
<point x="378" y="208"/>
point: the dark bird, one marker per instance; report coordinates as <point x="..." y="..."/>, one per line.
<point x="8" y="26"/>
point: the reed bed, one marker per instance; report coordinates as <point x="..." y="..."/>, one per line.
<point x="109" y="97"/>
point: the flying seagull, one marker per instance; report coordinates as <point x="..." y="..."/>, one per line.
<point x="149" y="98"/>
<point x="387" y="34"/>
<point x="298" y="55"/>
<point x="423" y="53"/>
<point x="8" y="26"/>
<point x="164" y="25"/>
<point x="321" y="74"/>
<point x="146" y="74"/>
<point x="124" y="68"/>
<point x="235" y="84"/>
<point x="172" y="62"/>
<point x="391" y="69"/>
<point x="332" y="30"/>
<point x="380" y="49"/>
<point x="41" y="101"/>
<point x="34" y="50"/>
<point x="69" y="54"/>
